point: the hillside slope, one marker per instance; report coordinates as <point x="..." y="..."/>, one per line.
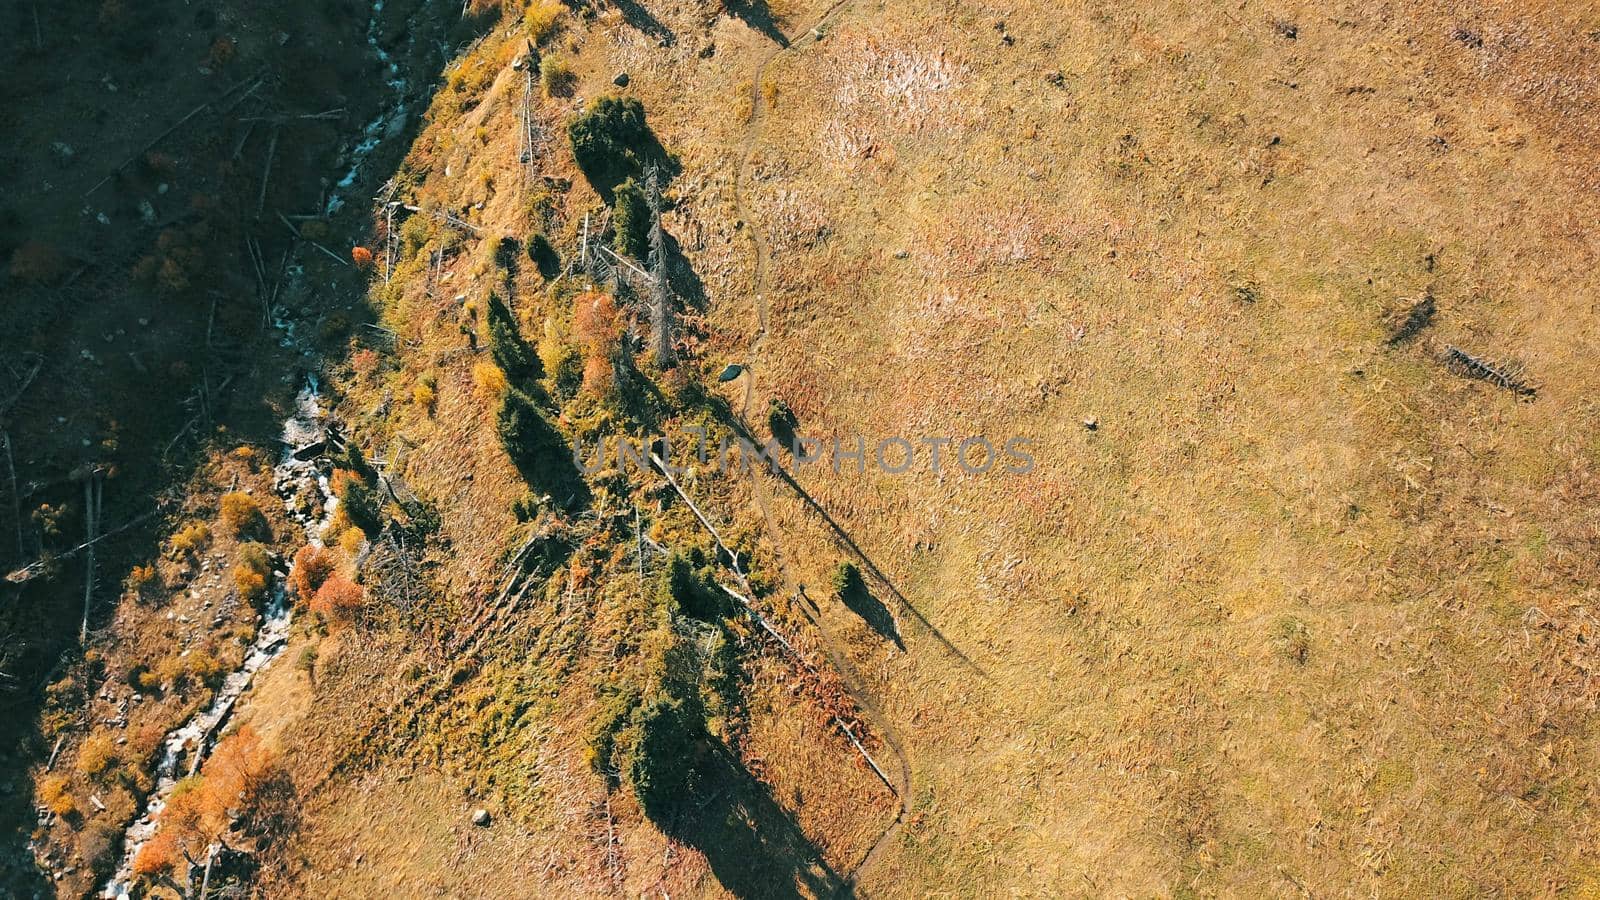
<point x="1289" y="306"/>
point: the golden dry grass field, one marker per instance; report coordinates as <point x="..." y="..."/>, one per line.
<point x="1307" y="612"/>
<point x="1290" y="604"/>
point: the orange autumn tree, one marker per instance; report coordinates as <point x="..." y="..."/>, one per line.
<point x="238" y="769"/>
<point x="158" y="856"/>
<point x="312" y="566"/>
<point x="201" y="809"/>
<point x="338" y="599"/>
<point x="597" y="324"/>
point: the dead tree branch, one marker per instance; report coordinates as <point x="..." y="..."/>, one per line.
<point x="1508" y="377"/>
<point x="253" y="85"/>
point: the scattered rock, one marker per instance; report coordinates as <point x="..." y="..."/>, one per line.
<point x="1091" y="423"/>
<point x="621" y="79"/>
<point x="480" y="817"/>
<point x="1057" y="78"/>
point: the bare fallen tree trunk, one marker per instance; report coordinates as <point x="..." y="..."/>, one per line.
<point x="253" y="85"/>
<point x="91" y="503"/>
<point x="205" y="880"/>
<point x="766" y="626"/>
<point x="266" y="173"/>
<point x="16" y="500"/>
<point x="37" y="567"/>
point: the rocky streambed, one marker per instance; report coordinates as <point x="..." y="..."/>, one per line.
<point x="300" y="479"/>
<point x="302" y="484"/>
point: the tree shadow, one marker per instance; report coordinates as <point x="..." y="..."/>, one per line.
<point x="783" y="424"/>
<point x="508" y="256"/>
<point x="725" y="415"/>
<point x="636" y="15"/>
<point x="686" y="283"/>
<point x="874" y="613"/>
<point x="540" y="453"/>
<point x="753" y="845"/>
<point x="757" y="15"/>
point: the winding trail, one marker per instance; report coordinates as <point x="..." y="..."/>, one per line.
<point x="831" y="644"/>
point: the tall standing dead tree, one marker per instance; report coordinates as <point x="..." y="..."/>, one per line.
<point x="660" y="290"/>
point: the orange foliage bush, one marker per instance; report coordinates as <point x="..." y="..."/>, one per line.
<point x="252" y="585"/>
<point x="489" y="379"/>
<point x="599" y="375"/>
<point x="241" y="513"/>
<point x="362" y="257"/>
<point x="191" y="539"/>
<point x="223" y="50"/>
<point x="424" y="396"/>
<point x="250" y="573"/>
<point x="339" y="598"/>
<point x="55" y="793"/>
<point x="235" y="773"/>
<point x="364" y="363"/>
<point x="597" y="324"/>
<point x="158" y="856"/>
<point x="350" y="541"/>
<point x="596" y="321"/>
<point x="341" y="479"/>
<point x="140" y="579"/>
<point x="146" y="741"/>
<point x="98" y="755"/>
<point x="312" y="566"/>
<point x="198" y="812"/>
<point x="178" y="261"/>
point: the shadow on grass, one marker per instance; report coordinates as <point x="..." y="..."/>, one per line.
<point x="752" y="844"/>
<point x="636" y="15"/>
<point x="757" y="15"/>
<point x="874" y="613"/>
<point x="686" y="283"/>
<point x="540" y="453"/>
